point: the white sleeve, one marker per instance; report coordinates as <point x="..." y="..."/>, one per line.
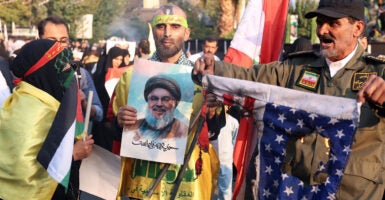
<point x="4" y="89"/>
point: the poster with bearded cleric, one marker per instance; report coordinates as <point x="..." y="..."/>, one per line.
<point x="162" y="94"/>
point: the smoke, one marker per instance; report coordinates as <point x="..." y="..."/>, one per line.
<point x="131" y="29"/>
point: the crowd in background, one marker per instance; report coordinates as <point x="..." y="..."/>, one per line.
<point x="95" y="58"/>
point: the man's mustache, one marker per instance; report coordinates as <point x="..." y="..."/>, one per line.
<point x="158" y="108"/>
<point x="326" y="38"/>
<point x="167" y="40"/>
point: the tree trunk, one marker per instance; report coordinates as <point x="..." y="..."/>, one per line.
<point x="240" y="8"/>
<point x="226" y="24"/>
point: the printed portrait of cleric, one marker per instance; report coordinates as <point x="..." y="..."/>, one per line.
<point x="162" y="95"/>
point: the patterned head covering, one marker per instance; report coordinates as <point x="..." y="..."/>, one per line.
<point x="52" y="72"/>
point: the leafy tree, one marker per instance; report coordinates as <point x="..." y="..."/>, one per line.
<point x="105" y="15"/>
<point x="39" y="12"/>
<point x="28" y="13"/>
<point x="72" y="10"/>
<point x="15" y="11"/>
<point x="202" y="19"/>
<point x="305" y="26"/>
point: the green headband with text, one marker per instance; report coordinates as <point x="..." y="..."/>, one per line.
<point x="170" y="19"/>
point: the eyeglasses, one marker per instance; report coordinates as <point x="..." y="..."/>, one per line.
<point x="164" y="99"/>
<point x="64" y="42"/>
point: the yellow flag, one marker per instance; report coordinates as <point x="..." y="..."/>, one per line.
<point x="25" y="119"/>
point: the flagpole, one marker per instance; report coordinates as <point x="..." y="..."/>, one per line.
<point x="88" y="111"/>
<point x="165" y="168"/>
<point x="187" y="157"/>
<point x="6" y="43"/>
<point x="157" y="180"/>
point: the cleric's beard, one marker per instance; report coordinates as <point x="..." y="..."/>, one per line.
<point x="158" y="124"/>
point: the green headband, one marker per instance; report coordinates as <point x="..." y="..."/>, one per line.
<point x="170" y="19"/>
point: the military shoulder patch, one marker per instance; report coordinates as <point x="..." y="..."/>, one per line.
<point x="359" y="79"/>
<point x="376" y="58"/>
<point x="308" y="80"/>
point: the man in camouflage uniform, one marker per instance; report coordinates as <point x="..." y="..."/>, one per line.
<point x="341" y="69"/>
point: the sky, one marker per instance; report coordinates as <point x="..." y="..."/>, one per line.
<point x="292" y="3"/>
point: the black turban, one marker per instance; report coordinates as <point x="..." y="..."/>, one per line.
<point x="52" y="76"/>
<point x="164" y="82"/>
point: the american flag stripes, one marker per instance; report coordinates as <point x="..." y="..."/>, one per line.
<point x="282" y="123"/>
<point x="281" y="114"/>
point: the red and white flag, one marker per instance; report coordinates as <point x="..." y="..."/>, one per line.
<point x="259" y="36"/>
<point x="258" y="39"/>
<point x="112" y="77"/>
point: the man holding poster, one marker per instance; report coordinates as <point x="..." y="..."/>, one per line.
<point x="163" y="99"/>
<point x="139" y="175"/>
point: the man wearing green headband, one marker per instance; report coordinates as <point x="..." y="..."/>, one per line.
<point x="170" y="30"/>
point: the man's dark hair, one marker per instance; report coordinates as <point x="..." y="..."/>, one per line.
<point x="53" y="19"/>
<point x="144" y="44"/>
<point x="211" y="39"/>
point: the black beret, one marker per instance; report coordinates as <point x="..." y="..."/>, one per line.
<point x="339" y="9"/>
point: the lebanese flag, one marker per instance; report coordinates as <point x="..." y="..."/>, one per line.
<point x="112" y="78"/>
<point x="259" y="36"/>
<point x="258" y="39"/>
